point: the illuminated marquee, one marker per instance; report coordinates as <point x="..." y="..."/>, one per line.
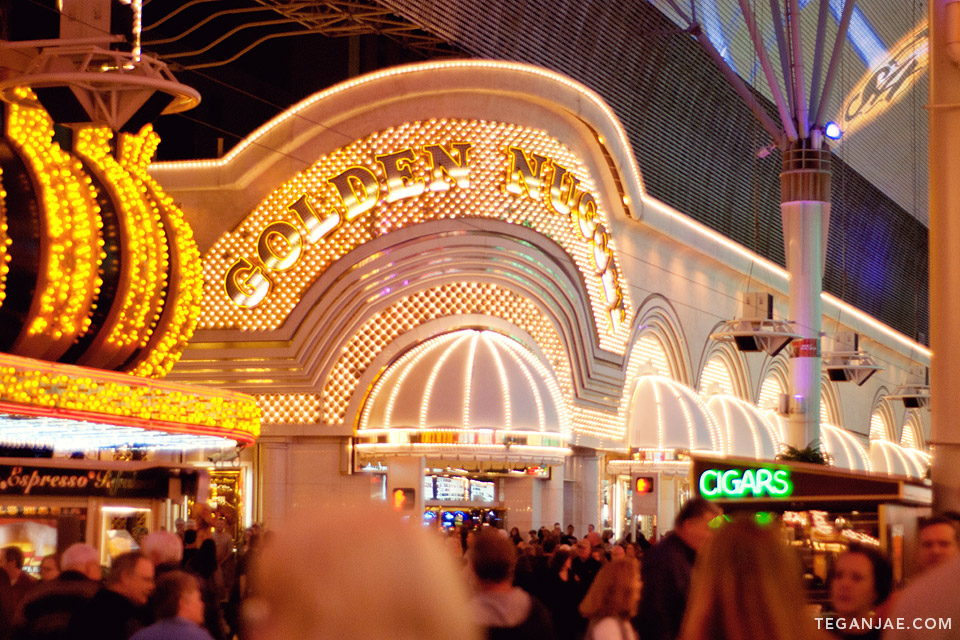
<point x="386" y="182"/>
<point x="745" y="483"/>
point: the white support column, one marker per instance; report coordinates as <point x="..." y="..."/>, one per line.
<point x="589" y="493"/>
<point x="552" y="499"/>
<point x="407" y="473"/>
<point x="522" y="498"/>
<point x="668" y="497"/>
<point x="944" y="110"/>
<point x="805" y="212"/>
<point x="274" y="482"/>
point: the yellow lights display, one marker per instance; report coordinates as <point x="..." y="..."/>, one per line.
<point x="37" y="388"/>
<point x="182" y="307"/>
<point x="72" y="225"/>
<point x="4" y="242"/>
<point x="330" y="406"/>
<point x="142" y="318"/>
<point x="145" y="240"/>
<point x="412" y="173"/>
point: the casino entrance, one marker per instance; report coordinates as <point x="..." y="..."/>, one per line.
<point x="467" y="428"/>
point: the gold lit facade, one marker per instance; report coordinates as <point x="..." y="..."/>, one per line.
<point x="257" y="273"/>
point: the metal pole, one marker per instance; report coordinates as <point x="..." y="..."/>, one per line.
<point x="944" y="110"/>
<point x="788" y="127"/>
<point x="782" y="49"/>
<point x="834" y="61"/>
<point x="799" y="94"/>
<point x="748" y="98"/>
<point x="818" y="59"/>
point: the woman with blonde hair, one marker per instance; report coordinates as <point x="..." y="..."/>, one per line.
<point x="612" y="600"/>
<point x="747" y="585"/>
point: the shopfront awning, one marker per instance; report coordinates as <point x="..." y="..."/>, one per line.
<point x="746" y="432"/>
<point x="468" y="394"/>
<point x="895" y="460"/>
<point x="664" y="414"/>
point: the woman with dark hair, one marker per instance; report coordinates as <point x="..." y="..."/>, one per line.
<point x="860" y="581"/>
<point x="612" y="601"/>
<point x="204" y="566"/>
<point x="515" y="536"/>
<point x="561" y="595"/>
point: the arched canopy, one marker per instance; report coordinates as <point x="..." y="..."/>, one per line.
<point x="664" y="414"/>
<point x="892" y="459"/>
<point x="467" y="392"/>
<point x="843" y="448"/>
<point x="841" y="445"/>
<point x="746" y="432"/>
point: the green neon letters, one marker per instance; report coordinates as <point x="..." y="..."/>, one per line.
<point x="751" y="483"/>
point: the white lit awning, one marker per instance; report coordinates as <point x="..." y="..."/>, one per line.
<point x="665" y="414"/>
<point x="468" y="393"/>
<point x="843" y="448"/>
<point x="895" y="460"/>
<point x="745" y="430"/>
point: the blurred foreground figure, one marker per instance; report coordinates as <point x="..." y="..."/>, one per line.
<point x="666" y="570"/>
<point x="930" y="606"/>
<point x="179" y="610"/>
<point x="392" y="581"/>
<point x="746" y="585"/>
<point x="861" y="580"/>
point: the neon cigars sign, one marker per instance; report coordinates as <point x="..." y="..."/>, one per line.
<point x="411" y="173"/>
<point x="745" y="483"/>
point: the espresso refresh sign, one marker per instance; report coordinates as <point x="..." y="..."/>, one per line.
<point x="18" y="480"/>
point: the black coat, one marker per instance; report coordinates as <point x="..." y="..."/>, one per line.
<point x="45" y="614"/>
<point x="665" y="570"/>
<point x="107" y="616"/>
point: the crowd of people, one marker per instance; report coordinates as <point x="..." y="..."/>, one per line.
<point x="713" y="577"/>
<point x="185" y="585"/>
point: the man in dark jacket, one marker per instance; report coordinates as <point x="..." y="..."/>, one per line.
<point x="666" y="570"/>
<point x="117" y="610"/>
<point x="501" y="609"/>
<point x="46" y="613"/>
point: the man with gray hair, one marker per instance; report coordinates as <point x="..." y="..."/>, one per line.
<point x="164" y="549"/>
<point x="46" y="613"/>
<point x="82" y="559"/>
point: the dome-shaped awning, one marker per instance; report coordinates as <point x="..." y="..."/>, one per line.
<point x="668" y="415"/>
<point x="893" y="459"/>
<point x="745" y="430"/>
<point x="845" y="450"/>
<point x="467" y="392"/>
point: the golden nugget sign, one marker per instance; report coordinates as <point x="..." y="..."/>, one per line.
<point x="323" y="215"/>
